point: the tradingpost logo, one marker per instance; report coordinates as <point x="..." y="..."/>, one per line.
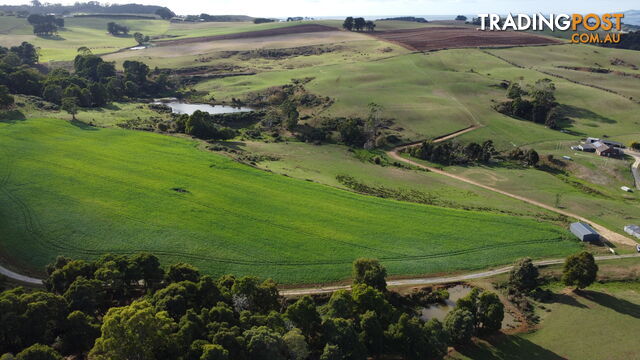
<point x="593" y="23"/>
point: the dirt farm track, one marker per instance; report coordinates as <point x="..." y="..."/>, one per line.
<point x="449" y="37"/>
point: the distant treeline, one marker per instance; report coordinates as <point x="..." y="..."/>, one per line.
<point x="630" y="41"/>
<point x="115" y="16"/>
<point x="406" y="18"/>
<point x="79" y="7"/>
<point x="218" y="18"/>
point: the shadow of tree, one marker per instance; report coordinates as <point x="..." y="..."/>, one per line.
<point x="616" y="304"/>
<point x="582" y="113"/>
<point x="507" y="347"/>
<point x="55" y="37"/>
<point x="11" y="116"/>
<point x="567" y="300"/>
<point x="82" y="125"/>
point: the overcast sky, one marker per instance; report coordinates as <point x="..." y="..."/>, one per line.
<point x="284" y="8"/>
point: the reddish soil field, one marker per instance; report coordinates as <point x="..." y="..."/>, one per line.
<point x="437" y="38"/>
<point x="287" y="30"/>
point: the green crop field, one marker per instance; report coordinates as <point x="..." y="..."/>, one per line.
<point x="82" y="191"/>
<point x="599" y="323"/>
<point x="78" y="32"/>
<point x="323" y="163"/>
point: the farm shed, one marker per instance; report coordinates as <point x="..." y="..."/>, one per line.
<point x="584" y="232"/>
<point x="605" y="150"/>
<point x="616" y="144"/>
<point x="633" y="230"/>
<point x="586" y="147"/>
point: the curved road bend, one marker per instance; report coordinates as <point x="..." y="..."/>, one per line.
<point x="22" y="278"/>
<point x="635" y="168"/>
<point x="443" y="279"/>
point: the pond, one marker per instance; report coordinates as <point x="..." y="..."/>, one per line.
<point x="185" y="108"/>
<point x="439" y="311"/>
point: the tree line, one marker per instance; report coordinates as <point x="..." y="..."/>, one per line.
<point x="124" y="307"/>
<point x="45" y="24"/>
<point x="451" y="153"/>
<point x="358" y="24"/>
<point x="93" y="83"/>
<point x="535" y="103"/>
<point x="93" y="7"/>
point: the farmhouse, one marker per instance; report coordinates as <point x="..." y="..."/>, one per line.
<point x="633" y="230"/>
<point x="615" y="144"/>
<point x="584" y="232"/>
<point x="603" y="149"/>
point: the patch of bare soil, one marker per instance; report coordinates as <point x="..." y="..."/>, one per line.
<point x="438" y="38"/>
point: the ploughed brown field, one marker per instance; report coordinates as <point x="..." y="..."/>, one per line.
<point x="436" y="38"/>
<point x="287" y="30"/>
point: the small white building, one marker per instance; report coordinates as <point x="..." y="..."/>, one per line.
<point x="633" y="230"/>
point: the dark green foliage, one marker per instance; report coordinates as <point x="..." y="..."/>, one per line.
<point x="352" y="132"/>
<point x="348" y="23"/>
<point x="214" y="352"/>
<point x="193" y="317"/>
<point x="490" y="312"/>
<point x="255" y="296"/>
<point x="6" y="100"/>
<point x="367" y="298"/>
<point x="85" y="295"/>
<point x="461" y="18"/>
<point x="26" y="52"/>
<point x="165" y="13"/>
<point x="459" y="324"/>
<point x="70" y="105"/>
<point x="262" y="20"/>
<point x="524" y="275"/>
<point x="580" y="270"/>
<point x="528" y="157"/>
<point x="448" y="153"/>
<point x="117" y="29"/>
<point x="26" y="81"/>
<point x="304" y="315"/>
<point x="265" y="344"/>
<point x="537" y="107"/>
<point x="290" y="114"/>
<point x="341" y="305"/>
<point x="409" y="338"/>
<point x="45" y="24"/>
<point x="485" y="308"/>
<point x="140" y="38"/>
<point x="53" y="93"/>
<point x="38" y="352"/>
<point x="201" y="124"/>
<point x="370" y="272"/>
<point x="29" y="318"/>
<point x="79" y="333"/>
<point x="296" y="344"/>
<point x="342" y="333"/>
<point x="182" y="272"/>
<point x="372" y="333"/>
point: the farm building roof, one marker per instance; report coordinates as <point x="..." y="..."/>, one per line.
<point x="580" y="228"/>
